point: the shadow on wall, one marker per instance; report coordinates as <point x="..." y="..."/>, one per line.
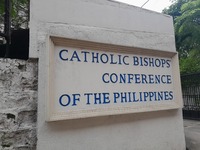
<point x="19" y="47"/>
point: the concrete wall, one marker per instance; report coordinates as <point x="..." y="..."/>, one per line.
<point x="18" y="104"/>
<point x="109" y="22"/>
<point x="100" y="21"/>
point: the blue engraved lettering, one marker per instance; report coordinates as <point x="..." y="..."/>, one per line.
<point x="124" y="61"/>
<point x="163" y="62"/>
<point x="123" y="97"/>
<point x="157" y="62"/>
<point x="61" y="53"/>
<point x="137" y="78"/>
<point x="103" y="77"/>
<point x="157" y="79"/>
<point x="144" y="78"/>
<point x="67" y="100"/>
<point x="171" y="95"/>
<point x="76" y="97"/>
<point x="85" y="55"/>
<point x="151" y="81"/>
<point x="163" y="76"/>
<point x="113" y="78"/>
<point x="146" y="95"/>
<point x="145" y="61"/>
<point x="130" y="77"/>
<point x="122" y="78"/>
<point x="95" y="58"/>
<point x="75" y="56"/>
<point x="169" y="81"/>
<point x="88" y="98"/>
<point x="106" y="98"/>
<point x="134" y="97"/>
<point x="168" y="63"/>
<point x="112" y="59"/>
<point x="116" y="96"/>
<point x="151" y="62"/>
<point x="97" y="98"/>
<point x="135" y="61"/>
<point x="160" y="96"/>
<point x="151" y="95"/>
<point x="104" y="58"/>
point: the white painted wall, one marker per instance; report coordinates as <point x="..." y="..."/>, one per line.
<point x="105" y="22"/>
<point x="100" y="21"/>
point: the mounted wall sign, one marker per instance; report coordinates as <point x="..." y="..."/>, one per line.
<point x="88" y="79"/>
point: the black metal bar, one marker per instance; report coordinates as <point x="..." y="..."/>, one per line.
<point x="7" y="26"/>
<point x="191" y="95"/>
<point x="2" y="34"/>
<point x="145" y="3"/>
<point x="28" y="10"/>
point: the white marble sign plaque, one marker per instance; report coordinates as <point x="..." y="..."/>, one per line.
<point x="89" y="79"/>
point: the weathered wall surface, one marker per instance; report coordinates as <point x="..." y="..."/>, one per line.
<point x="102" y="21"/>
<point x="18" y="104"/>
<point x="106" y="22"/>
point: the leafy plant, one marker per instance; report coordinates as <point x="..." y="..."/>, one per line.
<point x="186" y="14"/>
<point x="19" y="14"/>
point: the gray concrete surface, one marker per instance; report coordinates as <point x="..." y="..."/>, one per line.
<point x="192" y="134"/>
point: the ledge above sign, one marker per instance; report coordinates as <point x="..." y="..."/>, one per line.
<point x="88" y="79"/>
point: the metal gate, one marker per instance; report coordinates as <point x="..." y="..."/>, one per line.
<point x="191" y="96"/>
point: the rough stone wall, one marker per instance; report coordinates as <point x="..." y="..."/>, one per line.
<point x="18" y="104"/>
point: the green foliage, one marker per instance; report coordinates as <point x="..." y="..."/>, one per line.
<point x="186" y="14"/>
<point x="187" y="27"/>
<point x="190" y="64"/>
<point x="175" y="9"/>
<point x="19" y="13"/>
